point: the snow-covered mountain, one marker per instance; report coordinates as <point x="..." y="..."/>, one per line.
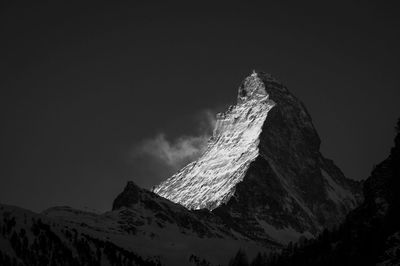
<point x="263" y="170"/>
<point x="261" y="183"/>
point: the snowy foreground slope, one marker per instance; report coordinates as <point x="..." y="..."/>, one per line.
<point x="263" y="170"/>
<point x="143" y="229"/>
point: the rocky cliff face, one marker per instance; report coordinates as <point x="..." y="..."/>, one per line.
<point x="370" y="234"/>
<point x="263" y="171"/>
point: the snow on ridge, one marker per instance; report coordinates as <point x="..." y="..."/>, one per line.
<point x="210" y="180"/>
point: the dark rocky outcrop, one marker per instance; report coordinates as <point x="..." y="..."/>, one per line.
<point x="128" y="197"/>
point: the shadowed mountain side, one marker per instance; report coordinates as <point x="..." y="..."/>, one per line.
<point x="370" y="234"/>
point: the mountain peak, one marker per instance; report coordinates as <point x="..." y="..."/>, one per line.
<point x="259" y="85"/>
<point x="129" y="196"/>
<point x="130" y="185"/>
<point x="252" y="88"/>
<point x="263" y="161"/>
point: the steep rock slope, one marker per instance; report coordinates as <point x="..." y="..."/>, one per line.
<point x="370" y="234"/>
<point x="262" y="171"/>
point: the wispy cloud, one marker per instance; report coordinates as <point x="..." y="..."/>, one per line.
<point x="177" y="152"/>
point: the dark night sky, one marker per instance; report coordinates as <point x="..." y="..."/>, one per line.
<point x="84" y="85"/>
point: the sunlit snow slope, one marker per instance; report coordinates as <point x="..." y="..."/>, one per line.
<point x="211" y="180"/>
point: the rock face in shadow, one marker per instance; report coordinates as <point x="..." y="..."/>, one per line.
<point x="263" y="172"/>
<point x="369" y="235"/>
<point x="128" y="197"/>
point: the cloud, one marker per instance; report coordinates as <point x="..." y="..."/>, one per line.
<point x="175" y="153"/>
<point x="207" y="120"/>
<point x="178" y="152"/>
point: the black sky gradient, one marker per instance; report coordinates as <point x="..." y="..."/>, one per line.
<point x="82" y="84"/>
